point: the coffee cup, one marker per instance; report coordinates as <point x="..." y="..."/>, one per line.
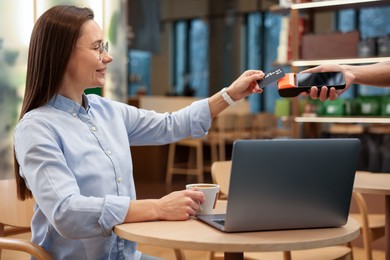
<point x="210" y="191"/>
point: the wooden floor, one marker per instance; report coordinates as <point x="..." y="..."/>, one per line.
<point x="157" y="190"/>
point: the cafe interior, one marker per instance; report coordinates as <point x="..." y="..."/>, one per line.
<point x="170" y="53"/>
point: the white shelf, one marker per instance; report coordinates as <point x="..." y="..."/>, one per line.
<point x="339" y="4"/>
<point x="302" y="63"/>
<point x="363" y="120"/>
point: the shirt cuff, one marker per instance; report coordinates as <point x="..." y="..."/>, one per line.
<point x="114" y="212"/>
<point x="200" y="118"/>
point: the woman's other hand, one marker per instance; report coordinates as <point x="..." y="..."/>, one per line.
<point x="179" y="205"/>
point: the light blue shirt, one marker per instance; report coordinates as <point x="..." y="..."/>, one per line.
<point x="77" y="162"/>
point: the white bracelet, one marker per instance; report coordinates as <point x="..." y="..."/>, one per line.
<point x="227" y="98"/>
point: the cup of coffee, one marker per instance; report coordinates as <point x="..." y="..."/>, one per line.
<point x="210" y="191"/>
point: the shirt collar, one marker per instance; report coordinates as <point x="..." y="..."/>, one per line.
<point x="86" y="103"/>
<point x="65" y="104"/>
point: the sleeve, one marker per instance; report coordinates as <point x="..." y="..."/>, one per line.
<point x="55" y="189"/>
<point x="147" y="127"/>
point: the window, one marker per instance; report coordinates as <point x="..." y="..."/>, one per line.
<point x="179" y="56"/>
<point x="262" y="42"/>
<point x="199" y="66"/>
<point x="254" y="58"/>
<point x="190" y="54"/>
<point x="139" y="72"/>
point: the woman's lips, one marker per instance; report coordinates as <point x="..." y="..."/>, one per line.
<point x="102" y="71"/>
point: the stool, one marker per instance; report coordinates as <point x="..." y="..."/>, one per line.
<point x="226" y="131"/>
<point x="194" y="165"/>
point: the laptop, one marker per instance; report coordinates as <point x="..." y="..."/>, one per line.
<point x="288" y="184"/>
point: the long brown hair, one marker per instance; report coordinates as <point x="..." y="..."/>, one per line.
<point x="52" y="42"/>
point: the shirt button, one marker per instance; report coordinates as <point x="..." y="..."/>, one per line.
<point x="109" y="152"/>
<point x="119" y="179"/>
<point x="93" y="128"/>
<point x="74" y="114"/>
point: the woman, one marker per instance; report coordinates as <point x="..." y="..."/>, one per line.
<point x="72" y="151"/>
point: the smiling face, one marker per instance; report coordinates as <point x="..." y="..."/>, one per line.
<point x="87" y="66"/>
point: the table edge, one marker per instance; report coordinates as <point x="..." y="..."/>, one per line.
<point x="191" y="245"/>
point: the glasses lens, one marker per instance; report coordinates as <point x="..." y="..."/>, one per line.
<point x="103" y="47"/>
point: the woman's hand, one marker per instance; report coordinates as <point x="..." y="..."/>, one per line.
<point x="243" y="86"/>
<point x="179" y="205"/>
<point x="330" y="93"/>
<point x="246" y="84"/>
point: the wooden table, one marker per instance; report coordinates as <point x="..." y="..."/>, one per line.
<point x="377" y="183"/>
<point x="195" y="235"/>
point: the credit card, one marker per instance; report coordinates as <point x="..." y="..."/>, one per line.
<point x="271" y="76"/>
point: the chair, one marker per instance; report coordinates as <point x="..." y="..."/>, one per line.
<point x="194" y="165"/>
<point x="244" y="125"/>
<point x="220" y="172"/>
<point x="226" y="132"/>
<point x="264" y="125"/>
<point x="222" y="132"/>
<point x="285" y="130"/>
<point x="15" y="217"/>
<point x="372" y="225"/>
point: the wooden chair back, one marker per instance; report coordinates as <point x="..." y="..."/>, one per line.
<point x="244" y="126"/>
<point x="372" y="225"/>
<point x="18" y="214"/>
<point x="14" y="212"/>
<point x="220" y="173"/>
<point x="264" y="125"/>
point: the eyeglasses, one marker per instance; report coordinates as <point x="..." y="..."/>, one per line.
<point x="103" y="47"/>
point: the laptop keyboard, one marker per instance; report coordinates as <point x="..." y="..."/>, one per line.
<point x="219" y="221"/>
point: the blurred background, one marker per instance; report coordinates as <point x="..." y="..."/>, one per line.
<point x="190" y="48"/>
